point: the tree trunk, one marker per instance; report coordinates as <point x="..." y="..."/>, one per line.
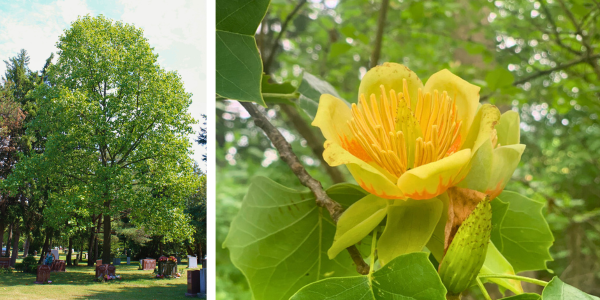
<point x="106" y="243"/>
<point x="70" y="252"/>
<point x="95" y="249"/>
<point x="160" y="247"/>
<point x="8" y="240"/>
<point x="199" y="251"/>
<point x="189" y="250"/>
<point x="46" y="245"/>
<point x="15" y="252"/>
<point x="80" y="254"/>
<point x="26" y="246"/>
<point x="96" y="239"/>
<point x="90" y="261"/>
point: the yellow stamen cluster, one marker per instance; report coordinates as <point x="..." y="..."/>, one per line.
<point x="378" y="128"/>
<point x="437" y="117"/>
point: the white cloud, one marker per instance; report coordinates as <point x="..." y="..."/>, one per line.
<point x="36" y="29"/>
<point x="177" y="31"/>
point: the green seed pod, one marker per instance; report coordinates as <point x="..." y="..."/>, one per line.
<point x="466" y="254"/>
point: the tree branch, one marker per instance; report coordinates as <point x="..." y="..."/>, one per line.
<point x="557" y="68"/>
<point x="548" y="71"/>
<point x="379" y="38"/>
<point x="555" y="30"/>
<point x="584" y="38"/>
<point x="313" y="142"/>
<point x="289" y="157"/>
<point x="275" y="46"/>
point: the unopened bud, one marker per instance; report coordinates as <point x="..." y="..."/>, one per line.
<point x="466" y="253"/>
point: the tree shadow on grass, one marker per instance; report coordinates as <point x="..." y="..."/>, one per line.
<point x="118" y="291"/>
<point x="76" y="275"/>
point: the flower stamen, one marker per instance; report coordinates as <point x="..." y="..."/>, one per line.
<point x="377" y="125"/>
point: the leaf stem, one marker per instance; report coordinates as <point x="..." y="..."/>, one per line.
<point x="515" y="277"/>
<point x="483" y="290"/>
<point x="373" y="247"/>
<point x="283" y="96"/>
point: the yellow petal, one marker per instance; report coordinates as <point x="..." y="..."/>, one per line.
<point x="509" y="132"/>
<point x="408" y="228"/>
<point x="372" y="179"/>
<point x="391" y="76"/>
<point x="430" y="180"/>
<point x="332" y="118"/>
<point x="481" y="129"/>
<point x="466" y="95"/>
<point x="505" y="161"/>
<point x="481" y="168"/>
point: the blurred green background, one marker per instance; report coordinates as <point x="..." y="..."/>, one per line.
<point x="540" y="58"/>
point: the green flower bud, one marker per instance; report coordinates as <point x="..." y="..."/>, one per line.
<point x="466" y="254"/>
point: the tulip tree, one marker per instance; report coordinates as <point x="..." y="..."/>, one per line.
<point x="117" y="130"/>
<point x="431" y="163"/>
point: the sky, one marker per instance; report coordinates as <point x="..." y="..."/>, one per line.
<point x="175" y="28"/>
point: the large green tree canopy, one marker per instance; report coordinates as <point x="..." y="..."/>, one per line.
<point x="116" y="127"/>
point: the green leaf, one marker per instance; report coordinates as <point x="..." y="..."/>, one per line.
<point x="279" y="240"/>
<point x="417" y="10"/>
<point x="336" y="288"/>
<point x="409" y="227"/>
<point x="520" y="231"/>
<point x="499" y="78"/>
<point x="580" y="9"/>
<point x="311" y="90"/>
<point x="495" y="263"/>
<point x="357" y="222"/>
<point x="349" y="30"/>
<point x="339" y="48"/>
<point x="240" y="16"/>
<point x="410" y="276"/>
<point x="528" y="296"/>
<point x="346" y="194"/>
<point x="285" y="88"/>
<point x="558" y="290"/>
<point x="238" y="65"/>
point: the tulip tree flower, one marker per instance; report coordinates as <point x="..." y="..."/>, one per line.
<point x="407" y="144"/>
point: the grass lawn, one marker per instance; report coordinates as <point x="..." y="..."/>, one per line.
<point x="78" y="283"/>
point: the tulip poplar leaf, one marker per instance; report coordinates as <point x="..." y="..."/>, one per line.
<point x="520" y="231"/>
<point x="558" y="290"/>
<point x="410" y="276"/>
<point x="238" y="63"/>
<point x="346" y="194"/>
<point x="279" y="241"/>
<point x="276" y="88"/>
<point x="495" y="263"/>
<point x="499" y="78"/>
<point x="311" y="88"/>
<point x="338" y="49"/>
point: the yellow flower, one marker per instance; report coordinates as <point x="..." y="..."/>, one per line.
<point x="405" y="140"/>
